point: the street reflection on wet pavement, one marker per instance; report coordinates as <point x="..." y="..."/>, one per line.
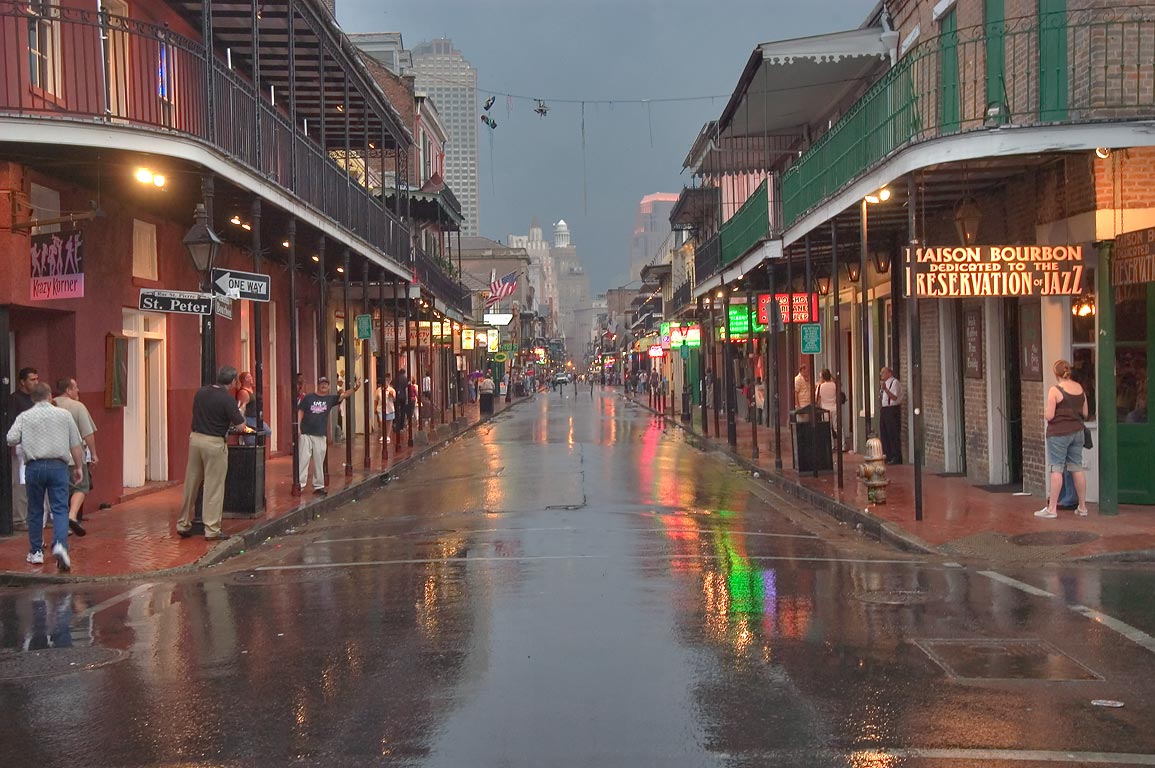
<point x="575" y="585"/>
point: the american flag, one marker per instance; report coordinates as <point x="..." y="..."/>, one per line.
<point x="501" y="289"/>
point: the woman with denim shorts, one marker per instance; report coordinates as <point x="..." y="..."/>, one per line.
<point x="1066" y="410"/>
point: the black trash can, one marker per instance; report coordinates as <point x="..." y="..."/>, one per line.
<point x="810" y="428"/>
<point x="486" y="399"/>
<point x="245" y="482"/>
<point x="687" y="404"/>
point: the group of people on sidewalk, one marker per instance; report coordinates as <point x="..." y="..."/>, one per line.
<point x="54" y="449"/>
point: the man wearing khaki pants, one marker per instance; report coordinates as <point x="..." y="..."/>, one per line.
<point x="214" y="413"/>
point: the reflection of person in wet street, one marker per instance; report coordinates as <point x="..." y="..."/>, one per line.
<point x="51" y="624"/>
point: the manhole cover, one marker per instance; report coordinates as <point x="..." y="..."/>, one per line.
<point x="1004" y="660"/>
<point x="894" y="597"/>
<point x="1053" y="538"/>
<point x="273" y="578"/>
<point x="55" y="661"/>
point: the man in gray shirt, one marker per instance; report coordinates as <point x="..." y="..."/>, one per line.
<point x="68" y="398"/>
<point x="53" y="451"/>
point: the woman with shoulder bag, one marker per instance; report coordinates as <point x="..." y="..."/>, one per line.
<point x="1066" y="411"/>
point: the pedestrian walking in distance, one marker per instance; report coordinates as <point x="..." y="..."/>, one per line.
<point x="53" y="453"/>
<point x="68" y="398"/>
<point x="19" y="401"/>
<point x="313" y="416"/>
<point x="214" y="413"/>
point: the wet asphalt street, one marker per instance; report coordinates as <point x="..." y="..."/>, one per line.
<point x="572" y="585"/>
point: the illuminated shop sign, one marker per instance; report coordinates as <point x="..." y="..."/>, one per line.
<point x="1133" y="258"/>
<point x="740" y="322"/>
<point x="805" y="307"/>
<point x="467" y="338"/>
<point x="657" y="351"/>
<point x="994" y="270"/>
<point x="681" y="335"/>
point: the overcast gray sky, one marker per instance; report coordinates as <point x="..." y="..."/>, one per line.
<point x="595" y="50"/>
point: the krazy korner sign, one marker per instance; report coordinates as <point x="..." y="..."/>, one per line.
<point x="993" y="270"/>
<point x="57" y="266"/>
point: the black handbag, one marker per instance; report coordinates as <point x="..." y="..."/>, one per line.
<point x="1087" y="442"/>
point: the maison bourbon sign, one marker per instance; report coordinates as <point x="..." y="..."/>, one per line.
<point x="978" y="271"/>
<point x="1133" y="258"/>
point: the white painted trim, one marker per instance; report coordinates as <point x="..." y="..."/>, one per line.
<point x="998" y="411"/>
<point x="909" y="41"/>
<point x="941" y="8"/>
<point x="1007" y="141"/>
<point x="952" y="410"/>
<point x="23" y="130"/>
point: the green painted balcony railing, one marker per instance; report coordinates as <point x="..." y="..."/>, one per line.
<point x="1061" y="68"/>
<point x="747" y="226"/>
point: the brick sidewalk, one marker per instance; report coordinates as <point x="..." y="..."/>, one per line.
<point x="959" y="518"/>
<point x="138" y="535"/>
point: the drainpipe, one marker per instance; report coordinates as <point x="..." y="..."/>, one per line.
<point x="889" y="38"/>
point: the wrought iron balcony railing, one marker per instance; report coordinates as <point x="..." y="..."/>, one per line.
<point x="708" y="257"/>
<point x="1058" y="68"/>
<point x="682" y="297"/>
<point x="68" y="64"/>
<point x="747" y="226"/>
<point x="430" y="274"/>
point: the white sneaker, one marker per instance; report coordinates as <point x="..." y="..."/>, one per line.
<point x="1047" y="513"/>
<point x="36" y="558"/>
<point x="63" y="561"/>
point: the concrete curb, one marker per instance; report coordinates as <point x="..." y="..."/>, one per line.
<point x="268" y="529"/>
<point x="881" y="530"/>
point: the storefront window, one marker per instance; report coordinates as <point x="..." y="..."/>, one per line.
<point x="1131" y="314"/>
<point x="1083" y="371"/>
<point x="1131" y="388"/>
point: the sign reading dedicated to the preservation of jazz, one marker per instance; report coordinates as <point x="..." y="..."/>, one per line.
<point x="975" y="271"/>
<point x="58" y="266"/>
<point x="1133" y="258"/>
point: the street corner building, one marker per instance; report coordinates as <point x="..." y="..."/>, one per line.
<point x="959" y="190"/>
<point x="185" y="185"/>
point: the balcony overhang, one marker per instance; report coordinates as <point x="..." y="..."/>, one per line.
<point x="767" y="250"/>
<point x="326" y="79"/>
<point x="695" y="206"/>
<point x="655" y="273"/>
<point x="789" y="84"/>
<point x="1013" y="147"/>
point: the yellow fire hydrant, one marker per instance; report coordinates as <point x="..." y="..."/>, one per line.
<point x="872" y="471"/>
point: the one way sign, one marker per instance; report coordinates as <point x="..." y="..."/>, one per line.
<point x="241" y="285"/>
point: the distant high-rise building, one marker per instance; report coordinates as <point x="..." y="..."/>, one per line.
<point x="651" y="228"/>
<point x="444" y="74"/>
<point x="388" y="49"/>
<point x="542" y="274"/>
<point x="573" y="288"/>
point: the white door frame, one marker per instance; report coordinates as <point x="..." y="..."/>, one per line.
<point x="999" y="469"/>
<point x="137" y="451"/>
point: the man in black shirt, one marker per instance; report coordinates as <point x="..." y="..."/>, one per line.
<point x="214" y="413"/>
<point x="401" y="403"/>
<point x="313" y="416"/>
<point x="18" y="402"/>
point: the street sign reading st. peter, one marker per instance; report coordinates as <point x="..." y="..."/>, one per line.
<point x="180" y="302"/>
<point x="241" y="285"/>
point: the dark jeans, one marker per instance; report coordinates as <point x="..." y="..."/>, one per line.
<point x="49" y="478"/>
<point x="890" y="430"/>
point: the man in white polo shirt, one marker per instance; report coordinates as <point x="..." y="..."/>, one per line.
<point x="53" y="452"/>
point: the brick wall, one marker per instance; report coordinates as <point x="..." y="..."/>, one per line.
<point x="1034" y="437"/>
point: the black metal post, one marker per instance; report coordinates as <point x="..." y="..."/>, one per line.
<point x="914" y="336"/>
<point x="702" y="349"/>
<point x="864" y="325"/>
<point x="837" y="349"/>
<point x="773" y="320"/>
<point x="752" y="397"/>
<point x="809" y="287"/>
<point x="323" y="326"/>
<point x="728" y="378"/>
<point x="208" y="322"/>
<point x="294" y="354"/>
<point x="366" y="360"/>
<point x="413" y="370"/>
<point x="382" y="366"/>
<point x="258" y="334"/>
<point x="350" y="403"/>
<point x="7" y="526"/>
